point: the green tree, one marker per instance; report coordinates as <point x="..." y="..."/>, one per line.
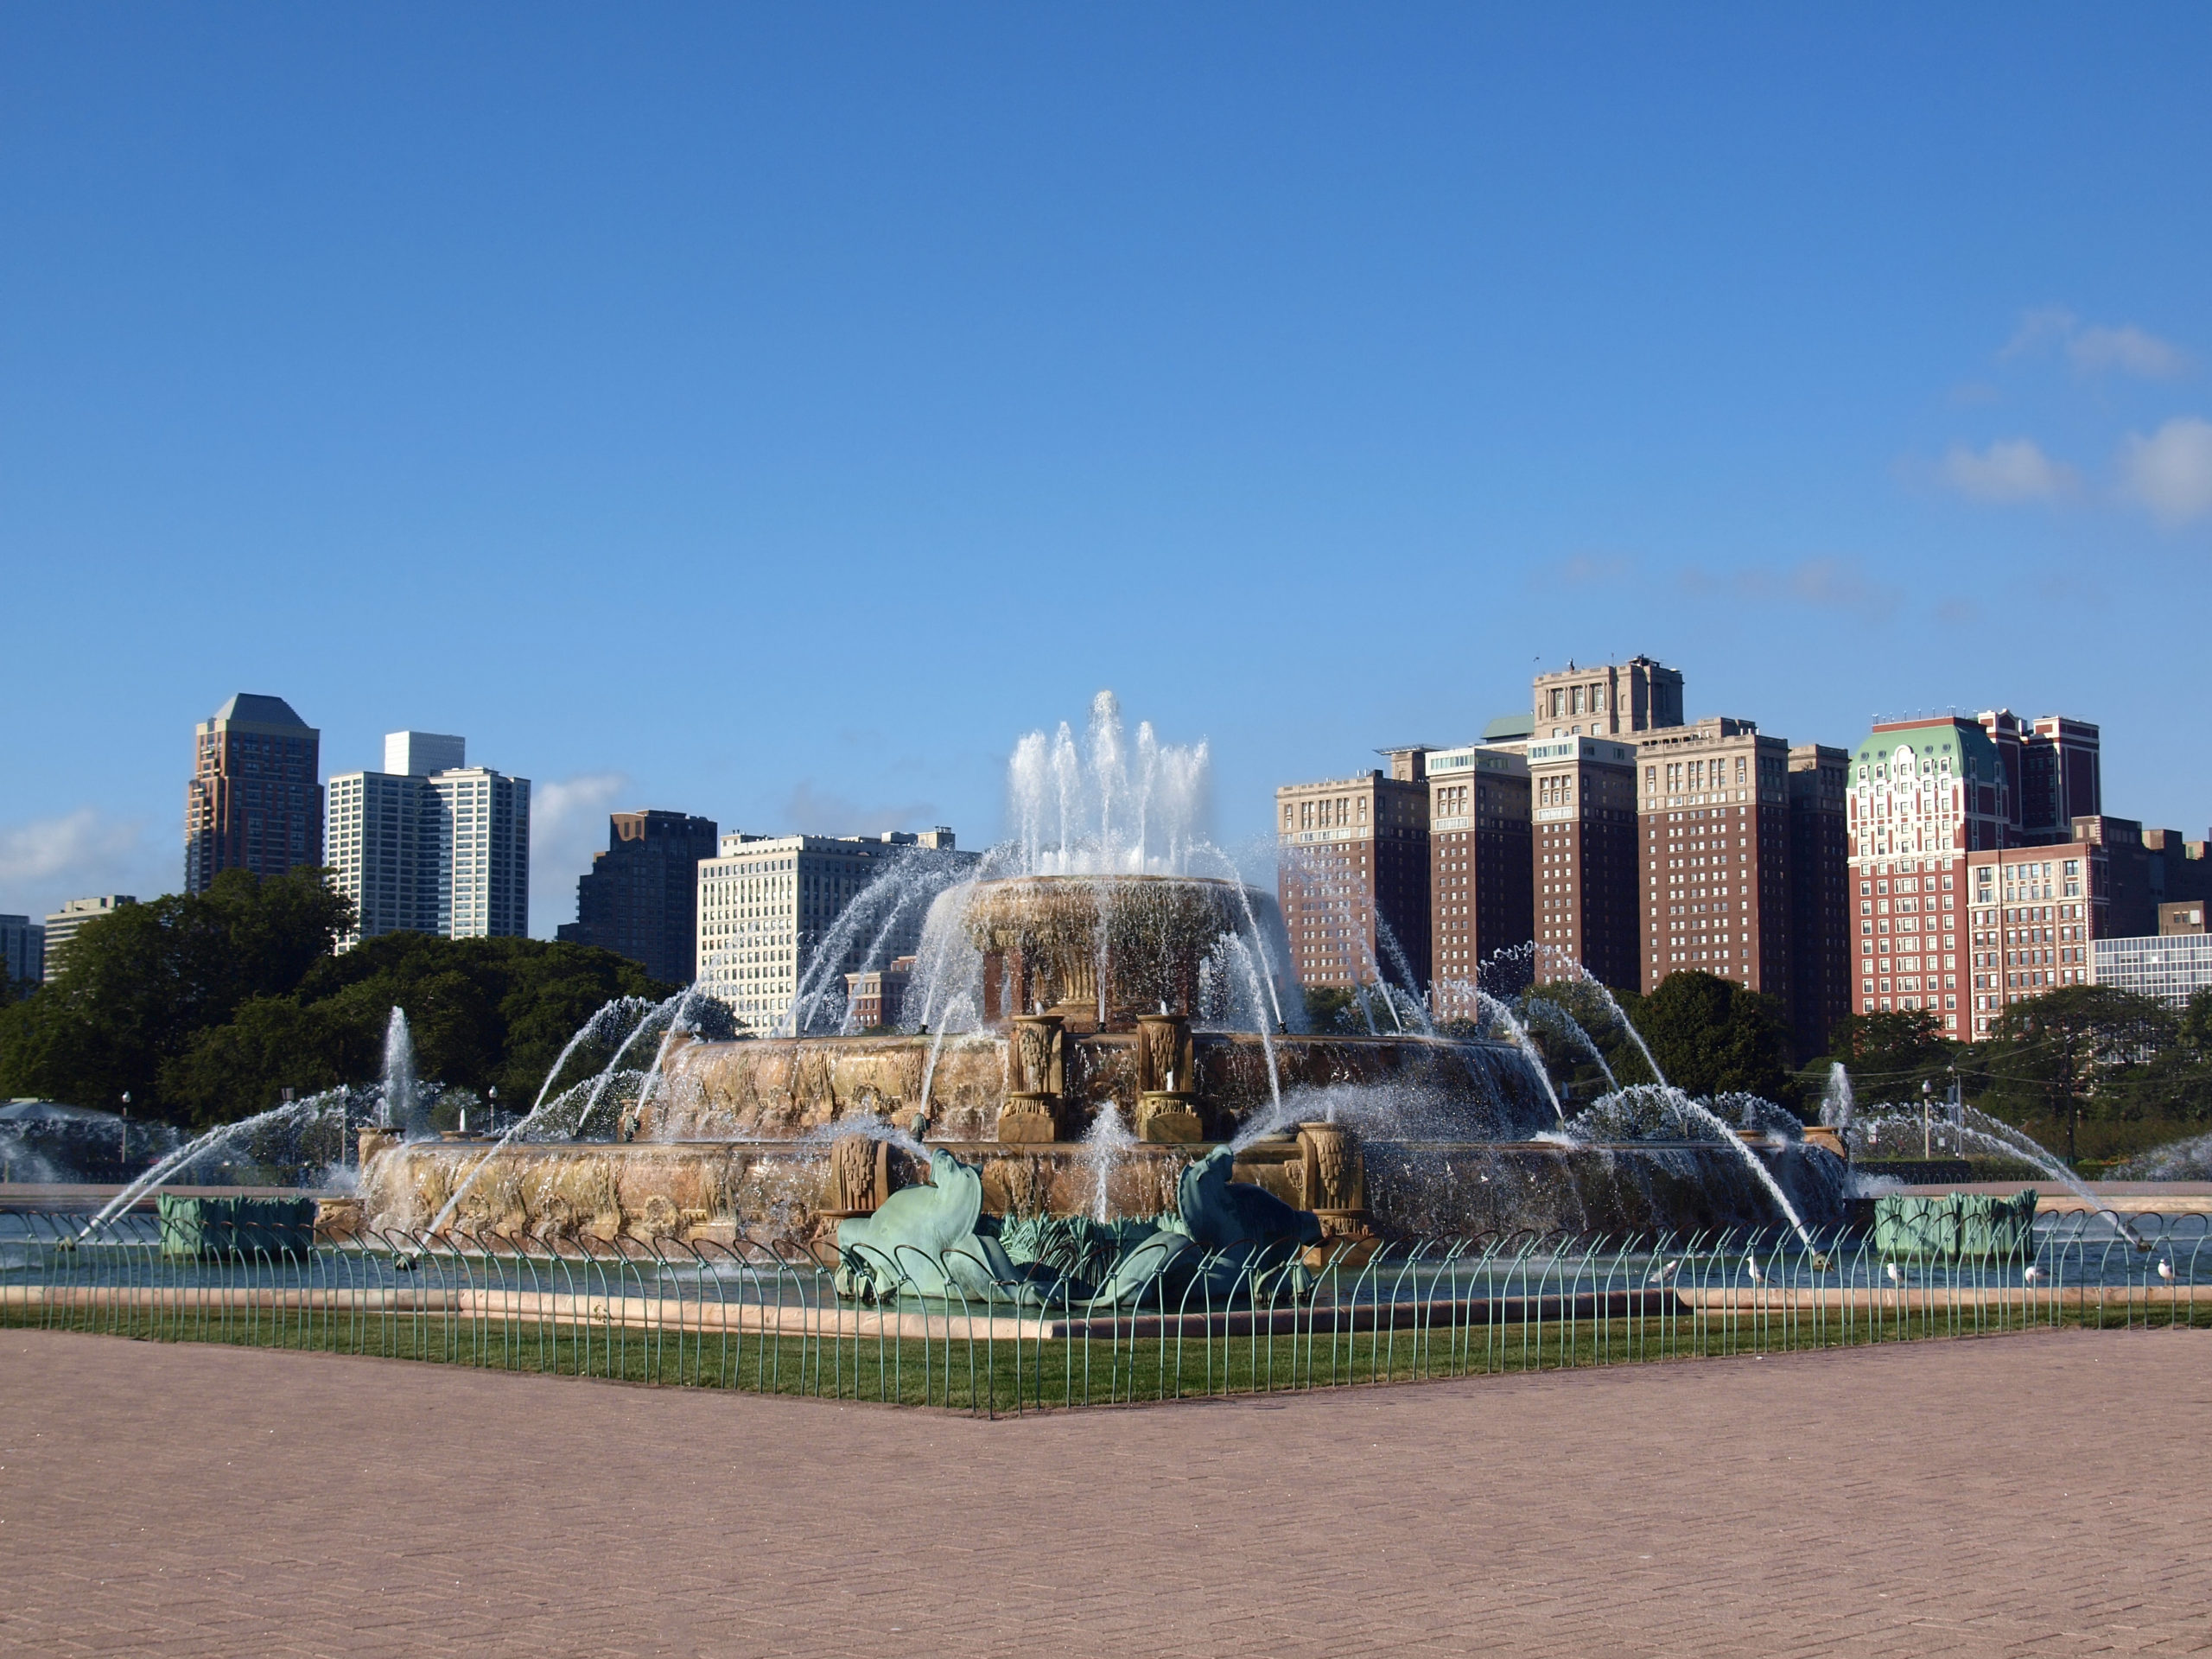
<point x="1591" y="1008"/>
<point x="2081" y="1050"/>
<point x="485" y="1013"/>
<point x="1890" y="1055"/>
<point x="1711" y="1035"/>
<point x="1329" y="1008"/>
<point x="135" y="986"/>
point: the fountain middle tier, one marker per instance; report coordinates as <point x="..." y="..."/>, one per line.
<point x="985" y="1085"/>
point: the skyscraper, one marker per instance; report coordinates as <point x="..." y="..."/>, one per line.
<point x="22" y="949"/>
<point x="1716" y="834"/>
<point x="1931" y="799"/>
<point x="432" y="844"/>
<point x="64" y="924"/>
<point x="253" y="802"/>
<point x="1354" y="875"/>
<point x="1480" y="891"/>
<point x="640" y="897"/>
<point x="1582" y="796"/>
<point x="767" y="904"/>
<point x="1819" y="894"/>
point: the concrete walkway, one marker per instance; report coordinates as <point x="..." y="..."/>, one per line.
<point x="2033" y="1494"/>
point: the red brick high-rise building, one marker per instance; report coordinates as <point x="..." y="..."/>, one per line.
<point x="1355" y="877"/>
<point x="1716" y="838"/>
<point x="1481" y="896"/>
<point x="1583" y="853"/>
<point x="254" y="801"/>
<point x="1819" y="894"/>
<point x="1981" y="867"/>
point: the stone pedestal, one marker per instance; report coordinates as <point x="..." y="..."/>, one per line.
<point x="1030" y="1119"/>
<point x="1036" y="1079"/>
<point x="1168" y="1118"/>
<point x="860" y="1176"/>
<point x="1335" y="1178"/>
<point x="374" y="1140"/>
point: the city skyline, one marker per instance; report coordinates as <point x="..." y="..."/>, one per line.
<point x="1834" y="360"/>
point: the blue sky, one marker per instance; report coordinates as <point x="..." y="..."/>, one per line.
<point x="770" y="413"/>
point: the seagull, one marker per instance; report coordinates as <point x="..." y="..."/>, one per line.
<point x="1661" y="1275"/>
<point x="2165" y="1270"/>
<point x="1895" y="1278"/>
<point x="1752" y="1267"/>
<point x="2031" y="1275"/>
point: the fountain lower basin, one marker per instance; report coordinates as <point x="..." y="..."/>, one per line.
<point x="788" y="1194"/>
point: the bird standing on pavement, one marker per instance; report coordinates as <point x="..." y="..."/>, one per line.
<point x="2165" y="1270"/>
<point x="1895" y="1278"/>
<point x="1752" y="1267"/>
<point x="2031" y="1275"/>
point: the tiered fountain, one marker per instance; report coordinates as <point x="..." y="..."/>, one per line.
<point x="1097" y="1005"/>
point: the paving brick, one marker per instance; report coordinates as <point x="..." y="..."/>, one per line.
<point x="2029" y="1494"/>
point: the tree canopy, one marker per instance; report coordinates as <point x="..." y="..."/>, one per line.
<point x="1713" y="1036"/>
<point x="204" y="1006"/>
<point x="2088" y="1051"/>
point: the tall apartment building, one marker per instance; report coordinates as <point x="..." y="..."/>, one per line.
<point x="1480" y="892"/>
<point x="1583" y="851"/>
<point x="484" y="878"/>
<point x="767" y="904"/>
<point x="2053" y="769"/>
<point x="2037" y="911"/>
<point x="254" y="802"/>
<point x="1925" y="794"/>
<point x="1608" y="700"/>
<point x="1951" y="816"/>
<point x="432" y="844"/>
<point x="1716" y="834"/>
<point x="1353" y="858"/>
<point x="640" y="897"/>
<point x="22" y="949"/>
<point x="1819" y="894"/>
<point x="64" y="924"/>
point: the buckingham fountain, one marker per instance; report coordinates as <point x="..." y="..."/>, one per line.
<point x="1101" y="1026"/>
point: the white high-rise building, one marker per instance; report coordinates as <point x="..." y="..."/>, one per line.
<point x="484" y="874"/>
<point x="64" y="924"/>
<point x="430" y="844"/>
<point x="765" y="903"/>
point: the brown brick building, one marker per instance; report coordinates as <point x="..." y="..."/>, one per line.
<point x="1479" y="859"/>
<point x="254" y="801"/>
<point x="1583" y="855"/>
<point x="1819" y="894"/>
<point x="1716" y="838"/>
<point x="1354" y="875"/>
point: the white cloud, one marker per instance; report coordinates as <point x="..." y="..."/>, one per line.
<point x="2170" y="472"/>
<point x="47" y="860"/>
<point x="568" y="825"/>
<point x="2011" y="469"/>
<point x="2098" y="347"/>
<point x="2039" y="327"/>
<point x="1818" y="584"/>
<point x="813" y="811"/>
<point x="2129" y="349"/>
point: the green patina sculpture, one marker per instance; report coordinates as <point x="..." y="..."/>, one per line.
<point x="1957" y="1224"/>
<point x="1222" y="1240"/>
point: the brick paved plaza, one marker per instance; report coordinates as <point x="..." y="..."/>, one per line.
<point x="2046" y="1493"/>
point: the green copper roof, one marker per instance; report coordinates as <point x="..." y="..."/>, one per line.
<point x="1969" y="747"/>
